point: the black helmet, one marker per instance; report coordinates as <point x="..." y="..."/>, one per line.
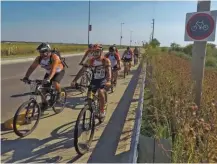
<point x="90" y="46"/>
<point x="44" y="47"/>
<point x="111" y="48"/>
<point x="128" y="48"/>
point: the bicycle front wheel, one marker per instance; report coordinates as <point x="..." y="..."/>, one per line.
<point x="86" y="123"/>
<point x="27" y="117"/>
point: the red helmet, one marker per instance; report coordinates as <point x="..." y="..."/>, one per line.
<point x="97" y="47"/>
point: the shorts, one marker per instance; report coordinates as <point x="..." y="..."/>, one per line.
<point x="114" y="68"/>
<point x="137" y="55"/>
<point x="127" y="60"/>
<point x="97" y="84"/>
<point x="57" y="77"/>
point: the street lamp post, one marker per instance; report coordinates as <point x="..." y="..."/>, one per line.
<point x="89" y="26"/>
<point x="131" y="37"/>
<point x="121" y="34"/>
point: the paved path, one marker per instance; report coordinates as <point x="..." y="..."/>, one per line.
<point x="52" y="141"/>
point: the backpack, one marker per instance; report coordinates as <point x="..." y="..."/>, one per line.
<point x="107" y="56"/>
<point x="58" y="54"/>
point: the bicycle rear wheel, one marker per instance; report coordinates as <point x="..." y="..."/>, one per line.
<point x="82" y="148"/>
<point x="26" y="117"/>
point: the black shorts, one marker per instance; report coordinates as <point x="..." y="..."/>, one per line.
<point x="57" y="77"/>
<point x="114" y="68"/>
<point x="127" y="60"/>
<point x="97" y="84"/>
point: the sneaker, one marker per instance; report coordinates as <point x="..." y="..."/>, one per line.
<point x="58" y="97"/>
<point x="43" y="107"/>
<point x="102" y="114"/>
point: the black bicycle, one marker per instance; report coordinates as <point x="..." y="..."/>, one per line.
<point x="88" y="122"/>
<point x="33" y="110"/>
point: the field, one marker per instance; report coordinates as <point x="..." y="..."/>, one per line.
<point x="22" y="49"/>
<point x="170" y="112"/>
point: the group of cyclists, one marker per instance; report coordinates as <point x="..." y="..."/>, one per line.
<point x="104" y="68"/>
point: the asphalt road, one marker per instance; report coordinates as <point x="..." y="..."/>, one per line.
<point x="12" y="87"/>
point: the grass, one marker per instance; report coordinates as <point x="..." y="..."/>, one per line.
<point x="170" y="112"/>
<point x="23" y="49"/>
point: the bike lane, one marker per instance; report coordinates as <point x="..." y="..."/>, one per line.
<point x="52" y="140"/>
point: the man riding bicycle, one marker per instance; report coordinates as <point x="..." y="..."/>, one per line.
<point x="128" y="56"/>
<point x="53" y="65"/>
<point x="114" y="58"/>
<point x="136" y="55"/>
<point x="101" y="68"/>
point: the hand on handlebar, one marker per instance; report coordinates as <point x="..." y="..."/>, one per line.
<point x="25" y="79"/>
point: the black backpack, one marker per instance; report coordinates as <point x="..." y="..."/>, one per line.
<point x="61" y="58"/>
<point x="58" y="54"/>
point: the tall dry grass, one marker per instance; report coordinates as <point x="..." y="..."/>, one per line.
<point x="170" y="111"/>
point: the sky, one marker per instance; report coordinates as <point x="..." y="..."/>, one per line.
<point x="67" y="21"/>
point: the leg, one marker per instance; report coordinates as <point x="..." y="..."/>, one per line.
<point x="101" y="93"/>
<point x="56" y="82"/>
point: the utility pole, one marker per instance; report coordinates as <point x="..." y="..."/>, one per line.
<point x="121" y="34"/>
<point x="152" y="36"/>
<point x="89" y="26"/>
<point x="131" y="37"/>
<point x="199" y="56"/>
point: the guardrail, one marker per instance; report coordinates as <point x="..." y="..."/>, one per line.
<point x="133" y="155"/>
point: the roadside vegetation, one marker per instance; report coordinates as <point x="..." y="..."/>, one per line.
<point x="22" y="49"/>
<point x="169" y="109"/>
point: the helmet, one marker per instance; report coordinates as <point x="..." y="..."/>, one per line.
<point x="90" y="46"/>
<point x="128" y="48"/>
<point x="44" y="47"/>
<point x="97" y="47"/>
<point x="111" y="49"/>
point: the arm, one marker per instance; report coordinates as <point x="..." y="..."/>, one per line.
<point x="84" y="57"/>
<point x="54" y="66"/>
<point x="108" y="70"/>
<point x="118" y="60"/>
<point x="79" y="74"/>
<point x="32" y="67"/>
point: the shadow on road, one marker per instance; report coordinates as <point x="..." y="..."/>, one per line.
<point x="33" y="150"/>
<point x="105" y="149"/>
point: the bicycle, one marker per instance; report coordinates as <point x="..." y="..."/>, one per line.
<point x="126" y="67"/>
<point x="92" y="106"/>
<point x="37" y="89"/>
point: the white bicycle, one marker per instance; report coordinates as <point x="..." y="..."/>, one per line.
<point x="200" y="26"/>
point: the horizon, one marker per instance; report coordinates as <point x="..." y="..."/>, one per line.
<point x="67" y="21"/>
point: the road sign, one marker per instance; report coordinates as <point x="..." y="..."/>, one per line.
<point x="200" y="26"/>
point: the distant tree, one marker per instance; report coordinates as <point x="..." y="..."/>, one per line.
<point x="155" y="43"/>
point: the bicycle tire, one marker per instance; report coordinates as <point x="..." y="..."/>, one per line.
<point x="62" y="108"/>
<point x="16" y="131"/>
<point x="80" y="116"/>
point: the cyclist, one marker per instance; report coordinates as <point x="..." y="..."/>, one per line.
<point x="101" y="68"/>
<point x="114" y="58"/>
<point x="127" y="56"/>
<point x="136" y="54"/>
<point x="54" y="69"/>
